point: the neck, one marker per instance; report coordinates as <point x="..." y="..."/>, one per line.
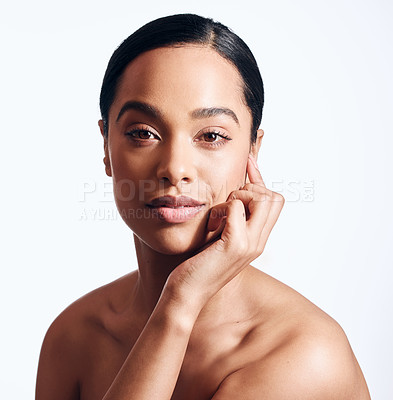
<point x="153" y="271"/>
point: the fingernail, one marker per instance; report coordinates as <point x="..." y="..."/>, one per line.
<point x="254" y="161"/>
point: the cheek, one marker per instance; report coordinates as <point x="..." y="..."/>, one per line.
<point x="127" y="165"/>
<point x="127" y="175"/>
<point x="226" y="178"/>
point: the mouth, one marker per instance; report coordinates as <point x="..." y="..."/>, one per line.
<point x="175" y="210"/>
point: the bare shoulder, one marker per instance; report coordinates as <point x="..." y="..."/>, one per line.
<point x="67" y="340"/>
<point x="309" y="356"/>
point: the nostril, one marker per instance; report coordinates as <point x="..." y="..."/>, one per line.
<point x="174" y="180"/>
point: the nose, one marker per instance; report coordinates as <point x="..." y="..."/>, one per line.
<point x="176" y="164"/>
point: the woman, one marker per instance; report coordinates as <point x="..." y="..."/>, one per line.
<point x="181" y="105"/>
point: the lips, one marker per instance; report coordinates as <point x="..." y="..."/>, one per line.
<point x="175" y="209"/>
<point x="171" y="201"/>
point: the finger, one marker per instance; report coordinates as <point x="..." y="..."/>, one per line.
<point x="271" y="220"/>
<point x="244" y="196"/>
<point x="233" y="240"/>
<point x="255" y="187"/>
<point x="258" y="205"/>
<point x="216" y="216"/>
<point x="234" y="232"/>
<point x="253" y="171"/>
<point x="247" y="179"/>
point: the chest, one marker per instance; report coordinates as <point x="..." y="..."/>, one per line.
<point x="206" y="363"/>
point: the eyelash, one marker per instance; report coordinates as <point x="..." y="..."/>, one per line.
<point x="132" y="134"/>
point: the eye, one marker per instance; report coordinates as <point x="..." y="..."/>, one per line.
<point x="142" y="134"/>
<point x="213" y="138"/>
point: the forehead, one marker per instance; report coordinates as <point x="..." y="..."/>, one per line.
<point x="183" y="78"/>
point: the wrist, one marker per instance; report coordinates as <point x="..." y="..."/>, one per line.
<point x="170" y="316"/>
<point x="178" y="306"/>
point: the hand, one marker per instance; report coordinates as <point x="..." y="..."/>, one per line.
<point x="244" y="221"/>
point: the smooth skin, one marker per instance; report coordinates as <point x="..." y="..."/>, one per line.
<point x="195" y="320"/>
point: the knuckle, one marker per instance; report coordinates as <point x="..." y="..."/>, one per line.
<point x="237" y="195"/>
<point x="248" y="186"/>
<point x="236" y="204"/>
<point x="253" y="187"/>
<point x="233" y="195"/>
<point x="265" y="197"/>
<point x="260" y="248"/>
<point x="277" y="197"/>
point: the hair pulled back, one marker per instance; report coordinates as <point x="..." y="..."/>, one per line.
<point x="182" y="29"/>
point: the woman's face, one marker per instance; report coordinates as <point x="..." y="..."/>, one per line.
<point x="178" y="127"/>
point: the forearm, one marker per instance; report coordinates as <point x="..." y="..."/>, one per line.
<point x="153" y="365"/>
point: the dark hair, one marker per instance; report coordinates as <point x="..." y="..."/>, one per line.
<point x="183" y="29"/>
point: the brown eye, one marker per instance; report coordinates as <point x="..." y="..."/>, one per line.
<point x="212" y="139"/>
<point x="211" y="136"/>
<point x="143" y="134"/>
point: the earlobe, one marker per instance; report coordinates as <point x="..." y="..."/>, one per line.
<point x="257" y="145"/>
<point x="106" y="159"/>
<point x="108" y="169"/>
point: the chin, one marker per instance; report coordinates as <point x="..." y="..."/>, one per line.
<point x="172" y="247"/>
<point x="172" y="239"/>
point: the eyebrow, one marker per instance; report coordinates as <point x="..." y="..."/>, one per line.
<point x="214" y="111"/>
<point x="139" y="106"/>
<point x="199" y="113"/>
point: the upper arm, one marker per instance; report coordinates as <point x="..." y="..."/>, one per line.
<point x="311" y="369"/>
<point x="57" y="368"/>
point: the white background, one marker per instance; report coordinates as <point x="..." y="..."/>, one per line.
<point x="327" y="68"/>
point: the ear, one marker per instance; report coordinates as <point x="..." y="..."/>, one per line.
<point x="254" y="150"/>
<point x="108" y="169"/>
